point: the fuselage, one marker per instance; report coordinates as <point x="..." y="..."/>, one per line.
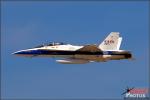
<point x="71" y="51"/>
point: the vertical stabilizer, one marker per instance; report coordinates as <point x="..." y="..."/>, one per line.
<point x="111" y="42"/>
<point x="119" y="43"/>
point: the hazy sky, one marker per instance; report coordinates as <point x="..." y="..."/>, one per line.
<point x="28" y="24"/>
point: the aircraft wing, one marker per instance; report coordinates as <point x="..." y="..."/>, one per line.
<point x="78" y="60"/>
<point x="89" y="48"/>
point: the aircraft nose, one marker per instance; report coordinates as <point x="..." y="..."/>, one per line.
<point x="27" y="52"/>
<point x="22" y="52"/>
<point x="18" y="52"/>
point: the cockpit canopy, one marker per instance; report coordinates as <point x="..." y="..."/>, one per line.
<point x="51" y="44"/>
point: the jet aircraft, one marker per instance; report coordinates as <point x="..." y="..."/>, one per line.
<point x="109" y="49"/>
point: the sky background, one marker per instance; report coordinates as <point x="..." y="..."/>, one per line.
<point x="28" y="24"/>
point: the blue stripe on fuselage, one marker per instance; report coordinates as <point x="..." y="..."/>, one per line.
<point x="61" y="52"/>
<point x="56" y="52"/>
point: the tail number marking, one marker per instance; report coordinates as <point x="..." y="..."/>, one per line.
<point x="108" y="42"/>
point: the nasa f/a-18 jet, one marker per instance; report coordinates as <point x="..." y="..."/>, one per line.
<point x="109" y="49"/>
